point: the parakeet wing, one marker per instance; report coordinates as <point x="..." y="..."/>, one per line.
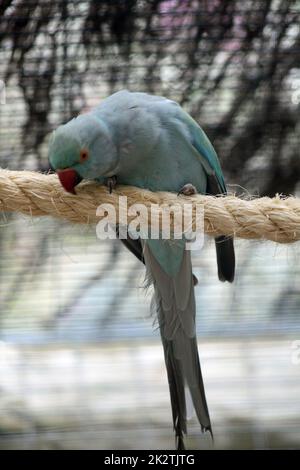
<point x="206" y="152"/>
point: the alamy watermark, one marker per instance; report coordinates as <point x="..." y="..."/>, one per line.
<point x="2" y="92"/>
<point x="159" y="222"/>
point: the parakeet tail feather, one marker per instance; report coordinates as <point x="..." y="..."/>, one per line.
<point x="175" y="307"/>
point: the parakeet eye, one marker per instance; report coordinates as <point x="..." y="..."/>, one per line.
<point x="84" y="155"/>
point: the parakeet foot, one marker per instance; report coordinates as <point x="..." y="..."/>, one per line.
<point x="188" y="190"/>
<point x="111" y="183"/>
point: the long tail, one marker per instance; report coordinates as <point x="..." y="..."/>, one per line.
<point x="175" y="304"/>
<point x="183" y="368"/>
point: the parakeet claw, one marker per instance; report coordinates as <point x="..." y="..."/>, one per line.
<point x="111" y="183"/>
<point x="187" y="190"/>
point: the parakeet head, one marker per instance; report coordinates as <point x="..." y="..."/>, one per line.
<point x="82" y="148"/>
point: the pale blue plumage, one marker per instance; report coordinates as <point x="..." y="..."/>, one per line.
<point x="151" y="142"/>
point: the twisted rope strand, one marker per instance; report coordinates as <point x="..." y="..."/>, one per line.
<point x="35" y="194"/>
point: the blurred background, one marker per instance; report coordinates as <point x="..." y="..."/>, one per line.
<point x="81" y="365"/>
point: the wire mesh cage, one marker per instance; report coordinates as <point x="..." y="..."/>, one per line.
<point x="81" y="363"/>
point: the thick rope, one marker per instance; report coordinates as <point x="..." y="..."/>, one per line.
<point x="35" y="194"/>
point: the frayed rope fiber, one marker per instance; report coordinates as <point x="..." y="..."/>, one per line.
<point x="36" y="194"/>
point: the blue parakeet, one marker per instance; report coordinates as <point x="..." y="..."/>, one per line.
<point x="151" y="142"/>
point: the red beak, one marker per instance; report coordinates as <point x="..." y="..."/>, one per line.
<point x="69" y="178"/>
